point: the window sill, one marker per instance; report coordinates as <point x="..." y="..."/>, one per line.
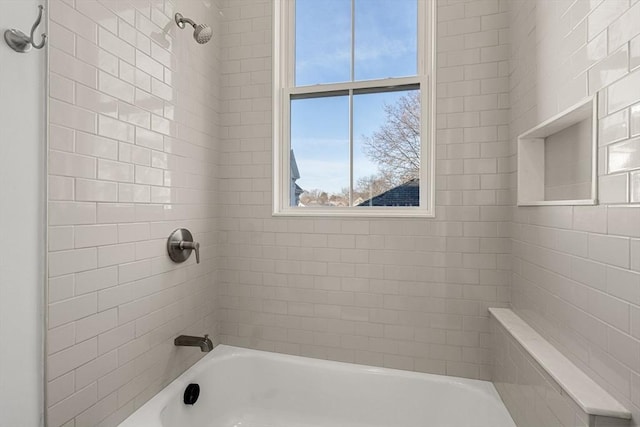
<point x="391" y="212"/>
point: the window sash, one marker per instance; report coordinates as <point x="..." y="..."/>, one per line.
<point x="285" y="91"/>
<point x="381" y="85"/>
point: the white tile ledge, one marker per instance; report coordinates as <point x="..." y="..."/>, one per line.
<point x="592" y="398"/>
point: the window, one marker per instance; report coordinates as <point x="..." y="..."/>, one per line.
<point x="353" y="107"/>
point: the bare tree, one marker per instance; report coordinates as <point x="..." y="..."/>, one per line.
<point x="395" y="147"/>
<point x="372" y="185"/>
<point x="313" y="197"/>
<point x="318" y="197"/>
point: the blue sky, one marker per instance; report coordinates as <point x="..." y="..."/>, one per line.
<point x="385" y="37"/>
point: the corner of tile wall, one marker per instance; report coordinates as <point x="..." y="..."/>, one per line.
<point x="576" y="270"/>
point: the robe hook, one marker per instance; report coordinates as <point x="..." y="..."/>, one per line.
<point x="20" y="42"/>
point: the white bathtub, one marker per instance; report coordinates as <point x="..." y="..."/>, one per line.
<point x="249" y="388"/>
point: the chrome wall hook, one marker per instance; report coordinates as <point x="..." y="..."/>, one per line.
<point x="20" y="42"/>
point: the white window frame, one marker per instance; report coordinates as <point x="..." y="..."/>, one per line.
<point x="283" y="89"/>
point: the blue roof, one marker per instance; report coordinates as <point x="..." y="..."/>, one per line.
<point x="406" y="194"/>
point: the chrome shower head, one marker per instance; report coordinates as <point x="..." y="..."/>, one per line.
<point x="202" y="33"/>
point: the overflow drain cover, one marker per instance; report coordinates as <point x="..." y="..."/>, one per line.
<point x="191" y="394"/>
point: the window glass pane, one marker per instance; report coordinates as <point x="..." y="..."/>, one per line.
<point x="323" y="41"/>
<point x="386" y="34"/>
<point x="386" y="151"/>
<point x="319" y="152"/>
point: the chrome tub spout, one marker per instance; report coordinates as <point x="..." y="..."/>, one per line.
<point x="204" y="343"/>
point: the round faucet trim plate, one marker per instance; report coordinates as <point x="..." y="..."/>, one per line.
<point x="180" y="244"/>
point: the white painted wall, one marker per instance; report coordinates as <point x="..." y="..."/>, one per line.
<point x="22" y="171"/>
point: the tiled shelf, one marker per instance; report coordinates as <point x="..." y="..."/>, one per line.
<point x="589" y="396"/>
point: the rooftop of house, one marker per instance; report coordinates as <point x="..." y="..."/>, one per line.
<point x="406" y="194"/>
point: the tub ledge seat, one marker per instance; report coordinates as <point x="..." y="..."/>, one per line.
<point x="541" y="386"/>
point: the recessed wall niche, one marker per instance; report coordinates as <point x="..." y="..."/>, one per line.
<point x="557" y="159"/>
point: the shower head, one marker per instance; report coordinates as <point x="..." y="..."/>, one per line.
<point x="202" y="33"/>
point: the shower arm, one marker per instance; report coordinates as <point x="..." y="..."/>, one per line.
<point x="202" y="33"/>
<point x="180" y="20"/>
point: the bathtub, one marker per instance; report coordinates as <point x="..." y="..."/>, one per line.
<point x="250" y="388"/>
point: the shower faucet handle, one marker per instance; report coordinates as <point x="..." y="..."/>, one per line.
<point x="180" y="245"/>
<point x="193" y="246"/>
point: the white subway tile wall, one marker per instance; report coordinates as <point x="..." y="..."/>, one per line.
<point x="401" y="293"/>
<point x="134" y="137"/>
<point x="576" y="274"/>
<point x="150" y="131"/>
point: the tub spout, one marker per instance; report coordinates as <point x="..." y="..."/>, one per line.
<point x="204" y="343"/>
